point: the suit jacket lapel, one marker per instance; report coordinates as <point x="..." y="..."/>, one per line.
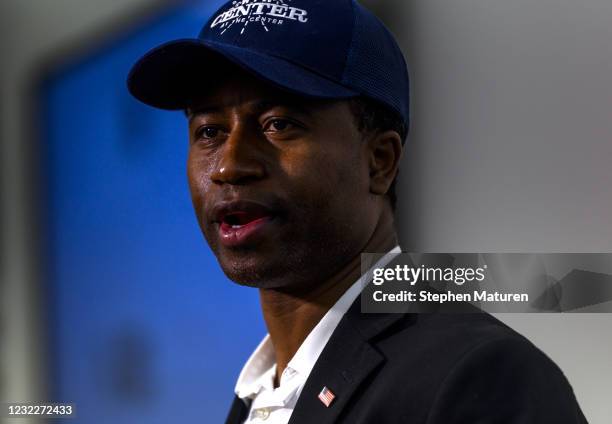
<point x="238" y="412"/>
<point x="347" y="360"/>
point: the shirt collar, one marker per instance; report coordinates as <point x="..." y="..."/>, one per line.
<point x="259" y="370"/>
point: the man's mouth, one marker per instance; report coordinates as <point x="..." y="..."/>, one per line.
<point x="242" y="222"/>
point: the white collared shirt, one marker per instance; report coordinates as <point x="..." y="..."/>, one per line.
<point x="256" y="381"/>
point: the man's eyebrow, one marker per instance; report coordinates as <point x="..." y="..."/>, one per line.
<point x="260" y="106"/>
<point x="192" y="112"/>
<point x="295" y="105"/>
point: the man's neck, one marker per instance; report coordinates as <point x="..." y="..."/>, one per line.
<point x="290" y="317"/>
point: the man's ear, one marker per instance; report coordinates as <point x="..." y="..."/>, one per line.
<point x="385" y="151"/>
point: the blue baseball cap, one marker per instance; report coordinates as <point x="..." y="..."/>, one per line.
<point x="330" y="49"/>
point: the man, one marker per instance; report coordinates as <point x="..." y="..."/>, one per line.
<point x="297" y="116"/>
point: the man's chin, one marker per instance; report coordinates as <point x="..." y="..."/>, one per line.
<point x="254" y="272"/>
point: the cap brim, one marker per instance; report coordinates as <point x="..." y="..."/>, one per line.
<point x="171" y="75"/>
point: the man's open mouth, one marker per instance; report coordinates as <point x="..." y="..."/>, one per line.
<point x="242" y="218"/>
<point x="241" y="222"/>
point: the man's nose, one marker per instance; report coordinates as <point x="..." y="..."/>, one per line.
<point x="240" y="159"/>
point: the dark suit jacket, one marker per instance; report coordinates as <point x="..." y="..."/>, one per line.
<point x="431" y="368"/>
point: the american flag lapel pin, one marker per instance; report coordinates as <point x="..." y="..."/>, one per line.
<point x="326" y="396"/>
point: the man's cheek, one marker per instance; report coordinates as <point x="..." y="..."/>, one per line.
<point x="198" y="189"/>
<point x="198" y="176"/>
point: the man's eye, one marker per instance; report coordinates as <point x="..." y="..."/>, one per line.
<point x="278" y="125"/>
<point x="207" y="132"/>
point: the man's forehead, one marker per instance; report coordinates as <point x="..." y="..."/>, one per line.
<point x="242" y="90"/>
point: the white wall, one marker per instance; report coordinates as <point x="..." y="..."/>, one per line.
<point x="511" y="150"/>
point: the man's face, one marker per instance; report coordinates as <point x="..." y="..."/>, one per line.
<point x="279" y="183"/>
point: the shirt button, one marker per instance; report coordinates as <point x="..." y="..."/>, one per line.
<point x="262" y="413"/>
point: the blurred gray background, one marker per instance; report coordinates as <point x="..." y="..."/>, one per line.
<point x="509" y="151"/>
